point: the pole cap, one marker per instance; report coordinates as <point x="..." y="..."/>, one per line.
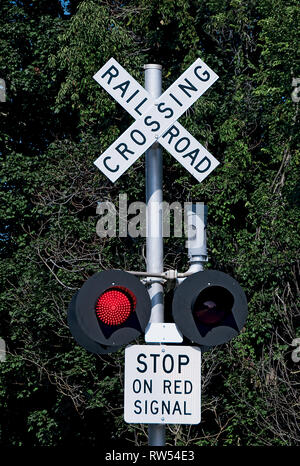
<point x="157" y="67"/>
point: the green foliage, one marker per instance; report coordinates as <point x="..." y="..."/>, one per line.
<point x="55" y="123"/>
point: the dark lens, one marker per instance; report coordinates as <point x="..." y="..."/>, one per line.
<point x="212" y="305"/>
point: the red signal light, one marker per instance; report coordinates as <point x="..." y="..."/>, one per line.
<point x="115" y="305"/>
<point x="111" y="309"/>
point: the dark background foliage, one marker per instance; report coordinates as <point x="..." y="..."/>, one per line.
<point x="56" y="121"/>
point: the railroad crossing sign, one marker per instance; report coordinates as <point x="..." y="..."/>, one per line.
<point x="156" y="120"/>
<point x="162" y="384"/>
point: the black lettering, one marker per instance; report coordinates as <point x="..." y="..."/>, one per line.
<point x="148" y="386"/>
<point x="154" y="356"/>
<point x="153" y="411"/>
<point x="132" y="96"/>
<point x="122" y="148"/>
<point x="151" y="123"/>
<point x="139" y="105"/>
<point x="176" y="100"/>
<point x="183" y="360"/>
<point x="123" y="86"/>
<point x="167" y="385"/>
<point x="136" y="386"/>
<point x="176" y="408"/>
<point x="185" y="410"/>
<point x="142" y="355"/>
<point x="109" y="168"/>
<point x="185" y="88"/>
<point x="140" y="142"/>
<point x="205" y="159"/>
<point x="186" y="384"/>
<point x="177" y="384"/>
<point x="193" y="155"/>
<point x="205" y="73"/>
<point x="168" y="109"/>
<point x="164" y="363"/>
<point x="173" y="134"/>
<point x="165" y="408"/>
<point x="110" y="73"/>
<point x="136" y="404"/>
<point x="188" y="142"/>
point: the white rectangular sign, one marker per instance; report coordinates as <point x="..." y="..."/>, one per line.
<point x="183" y="93"/>
<point x="188" y="151"/>
<point x="123" y="88"/>
<point x="153" y="119"/>
<point x="162" y="384"/>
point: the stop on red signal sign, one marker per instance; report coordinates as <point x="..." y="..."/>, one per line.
<point x="162" y="384"/>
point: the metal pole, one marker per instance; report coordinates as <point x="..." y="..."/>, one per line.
<point x="154" y="238"/>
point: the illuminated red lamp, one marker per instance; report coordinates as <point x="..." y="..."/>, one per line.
<point x="115" y="305"/>
<point x="110" y="310"/>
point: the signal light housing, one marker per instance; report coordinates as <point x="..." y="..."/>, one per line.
<point x="83" y="339"/>
<point x="210" y="308"/>
<point x="110" y="310"/>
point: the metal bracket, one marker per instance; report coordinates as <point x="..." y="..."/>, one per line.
<point x="163" y="333"/>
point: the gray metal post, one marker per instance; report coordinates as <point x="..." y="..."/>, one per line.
<point x="154" y="239"/>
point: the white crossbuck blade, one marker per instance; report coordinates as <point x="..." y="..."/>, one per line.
<point x="156" y="120"/>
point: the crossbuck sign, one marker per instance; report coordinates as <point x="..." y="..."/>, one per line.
<point x="156" y="120"/>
